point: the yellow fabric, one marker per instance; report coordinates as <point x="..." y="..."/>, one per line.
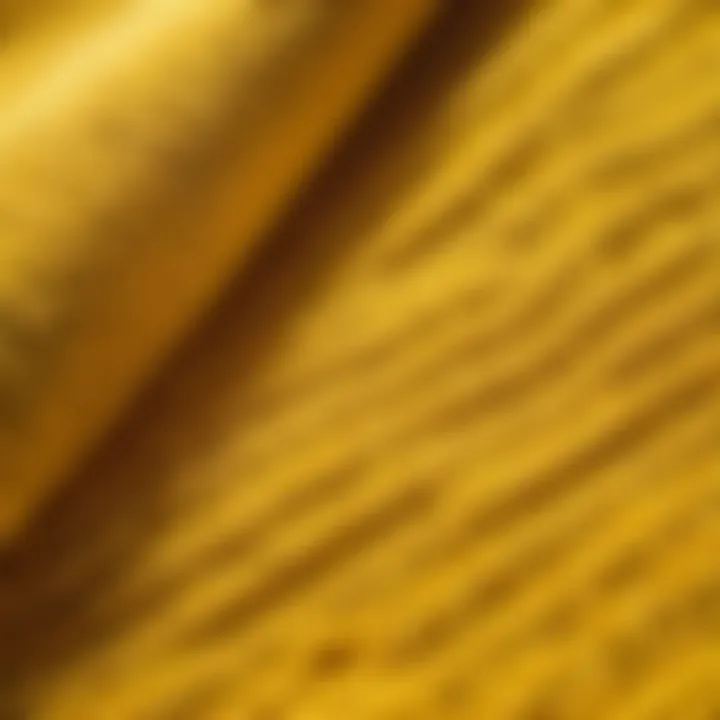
<point x="449" y="447"/>
<point x="140" y="163"/>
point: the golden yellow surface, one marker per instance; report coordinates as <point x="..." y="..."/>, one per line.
<point x="140" y="163"/>
<point x="450" y="445"/>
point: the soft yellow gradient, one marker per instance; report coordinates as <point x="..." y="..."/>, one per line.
<point x="449" y="445"/>
<point x="140" y="163"/>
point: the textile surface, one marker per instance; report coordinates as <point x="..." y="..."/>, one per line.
<point x="382" y="382"/>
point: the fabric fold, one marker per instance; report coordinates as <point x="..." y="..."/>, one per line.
<point x="140" y="162"/>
